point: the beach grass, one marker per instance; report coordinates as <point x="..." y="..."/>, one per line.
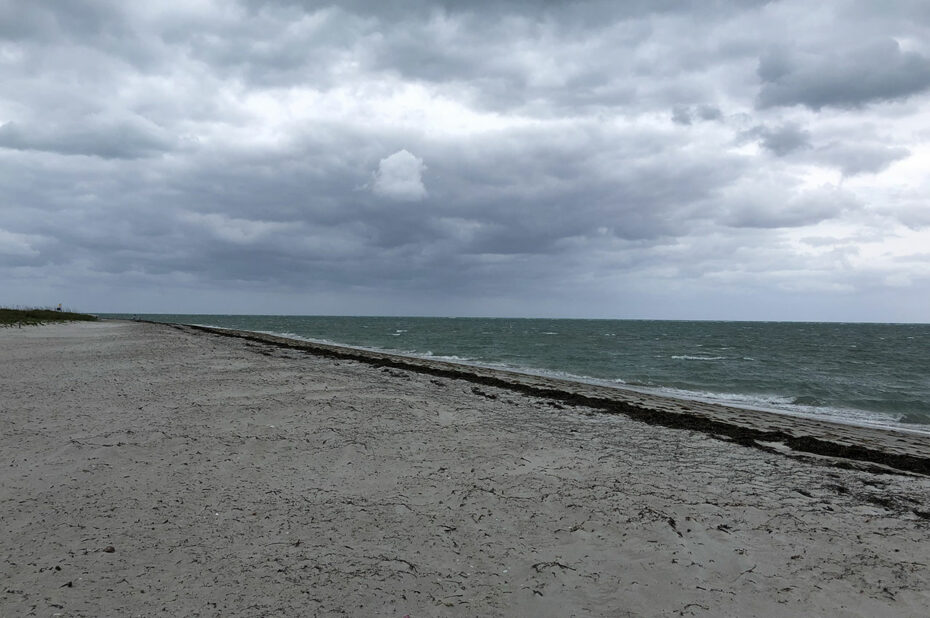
<point x="36" y="316"/>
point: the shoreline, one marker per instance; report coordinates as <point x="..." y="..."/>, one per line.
<point x="569" y="378"/>
<point x="885" y="449"/>
<point x="865" y="375"/>
<point x="852" y="374"/>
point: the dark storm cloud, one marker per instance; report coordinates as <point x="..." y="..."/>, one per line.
<point x="296" y="227"/>
<point x="852" y="77"/>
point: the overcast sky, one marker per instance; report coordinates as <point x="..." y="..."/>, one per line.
<point x="639" y="159"/>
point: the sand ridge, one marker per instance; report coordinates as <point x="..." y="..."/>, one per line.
<point x="234" y="477"/>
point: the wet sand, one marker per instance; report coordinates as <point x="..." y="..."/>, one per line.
<point x="155" y="470"/>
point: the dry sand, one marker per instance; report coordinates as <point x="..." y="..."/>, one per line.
<point x="151" y="470"/>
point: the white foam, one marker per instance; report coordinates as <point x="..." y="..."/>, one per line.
<point x="785" y="405"/>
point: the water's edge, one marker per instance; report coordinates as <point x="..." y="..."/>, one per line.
<point x="872" y="375"/>
<point x="891" y="449"/>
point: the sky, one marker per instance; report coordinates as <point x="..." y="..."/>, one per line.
<point x="734" y="160"/>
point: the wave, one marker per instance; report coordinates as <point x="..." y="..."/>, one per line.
<point x="699" y="358"/>
<point x="807" y="400"/>
<point x="909" y="418"/>
<point x="805" y="407"/>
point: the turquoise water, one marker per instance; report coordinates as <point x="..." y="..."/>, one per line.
<point x="871" y="374"/>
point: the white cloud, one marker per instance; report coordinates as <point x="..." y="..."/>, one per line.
<point x="400" y="177"/>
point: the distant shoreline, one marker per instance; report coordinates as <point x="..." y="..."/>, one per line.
<point x="870" y="446"/>
<point x="117" y="315"/>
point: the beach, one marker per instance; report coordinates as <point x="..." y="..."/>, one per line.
<point x="160" y="470"/>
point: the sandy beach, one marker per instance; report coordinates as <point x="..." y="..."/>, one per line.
<point x="158" y="470"/>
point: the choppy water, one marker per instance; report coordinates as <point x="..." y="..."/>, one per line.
<point x="871" y="374"/>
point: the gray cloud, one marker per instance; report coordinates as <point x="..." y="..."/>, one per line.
<point x="782" y="140"/>
<point x="32" y="21"/>
<point x="709" y="112"/>
<point x="129" y="138"/>
<point x="684" y="115"/>
<point x="681" y="115"/>
<point x="880" y="71"/>
<point x="853" y="159"/>
<point x="776" y="207"/>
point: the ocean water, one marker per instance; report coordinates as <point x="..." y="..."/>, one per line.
<point x="863" y="374"/>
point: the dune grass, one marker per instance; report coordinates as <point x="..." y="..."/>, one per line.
<point x="34" y="317"/>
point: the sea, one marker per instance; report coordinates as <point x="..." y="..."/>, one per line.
<point x="861" y="374"/>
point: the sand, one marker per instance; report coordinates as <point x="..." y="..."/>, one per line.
<point x="152" y="470"/>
